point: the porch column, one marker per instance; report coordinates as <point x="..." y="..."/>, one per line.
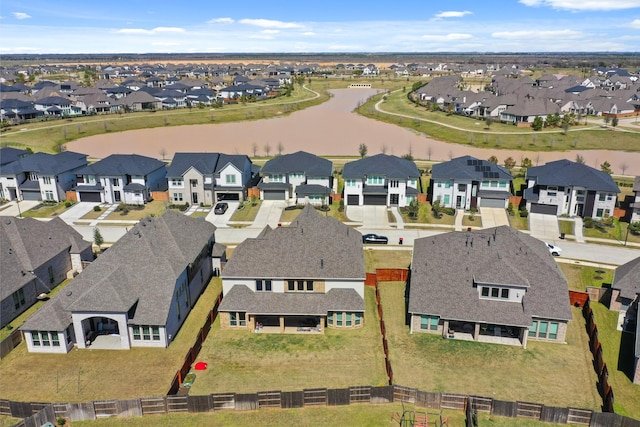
<point x="476" y="331"/>
<point x="282" y="324"/>
<point x="524" y="334"/>
<point x="445" y="329"/>
<point x="322" y="320"/>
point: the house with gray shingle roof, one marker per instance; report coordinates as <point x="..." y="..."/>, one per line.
<point x="497" y="285"/>
<point x="635" y="205"/>
<point x="121" y="178"/>
<point x="301" y="278"/>
<point x="41" y="176"/>
<point x="468" y="183"/>
<point x="208" y="177"/>
<point x="36" y="257"/>
<point x="136" y="294"/>
<point x="301" y="177"/>
<point x="566" y="187"/>
<point x="380" y="180"/>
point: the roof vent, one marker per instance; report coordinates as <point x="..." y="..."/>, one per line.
<point x="7" y="221"/>
<point x="321" y="263"/>
<point x="69" y="293"/>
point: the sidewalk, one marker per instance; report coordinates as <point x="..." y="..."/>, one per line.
<point x="578" y="231"/>
<point x="398" y="217"/>
<point x="458" y="222"/>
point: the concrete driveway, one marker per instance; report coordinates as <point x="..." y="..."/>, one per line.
<point x="544" y="227"/>
<point x="77" y="211"/>
<point x="493" y="217"/>
<point x="220" y="221"/>
<point x="369" y="216"/>
<point x="269" y="213"/>
<point x="13" y="209"/>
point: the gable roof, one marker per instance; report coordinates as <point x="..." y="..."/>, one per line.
<point x="10" y="154"/>
<point x="627" y="279"/>
<point x="301" y="162"/>
<point x="444" y="268"/>
<point x="141" y="267"/>
<point x="468" y="167"/>
<point x="205" y="163"/>
<point x="566" y="173"/>
<point x="313" y="246"/>
<point x="46" y="164"/>
<point x="381" y="164"/>
<point x="124" y="164"/>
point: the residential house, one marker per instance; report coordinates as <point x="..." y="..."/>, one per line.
<point x="625" y="295"/>
<point x="301" y="278"/>
<point x="208" y="177"/>
<point x="564" y="187"/>
<point x="635" y="205"/>
<point x="121" y="178"/>
<point x="36" y="257"/>
<point x="301" y="177"/>
<point x="380" y="180"/>
<point x="468" y="183"/>
<point x="497" y="285"/>
<point x="136" y="294"/>
<point x="41" y="176"/>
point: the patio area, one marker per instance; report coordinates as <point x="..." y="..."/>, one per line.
<point x="106" y="342"/>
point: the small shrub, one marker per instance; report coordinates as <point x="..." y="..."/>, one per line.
<point x="634" y="228"/>
<point x="449" y="211"/>
<point x="524" y="213"/>
<point x="61" y="421"/>
<point x="68" y="204"/>
<point x="588" y="222"/>
<point x="323" y="208"/>
<point x="97" y="208"/>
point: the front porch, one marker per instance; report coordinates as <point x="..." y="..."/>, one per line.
<point x="488" y="333"/>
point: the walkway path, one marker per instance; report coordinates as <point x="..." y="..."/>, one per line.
<point x="398" y="217"/>
<point x="578" y="230"/>
<point x="457" y="226"/>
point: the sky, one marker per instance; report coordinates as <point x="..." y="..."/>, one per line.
<point x="327" y="26"/>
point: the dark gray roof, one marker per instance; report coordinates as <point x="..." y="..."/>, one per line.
<point x="46" y="164"/>
<point x="143" y="267"/>
<point x="205" y="163"/>
<point x="565" y="173"/>
<point x="123" y="164"/>
<point x="309" y="189"/>
<point x="133" y="186"/>
<point x="381" y="165"/>
<point x="26" y="244"/>
<point x="467" y="167"/>
<point x="241" y="298"/>
<point x="274" y="185"/>
<point x="445" y="266"/>
<point x="627" y="279"/>
<point x="10" y="154"/>
<point x="312" y="246"/>
<point x="299" y="162"/>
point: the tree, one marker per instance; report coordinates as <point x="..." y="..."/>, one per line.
<point x="280" y="148"/>
<point x="607" y="119"/>
<point x="537" y="123"/>
<point x="526" y="163"/>
<point x="267" y="149"/>
<point x="509" y="163"/>
<point x="363" y="150"/>
<point x="436" y="209"/>
<point x="383" y="148"/>
<point x="493" y="159"/>
<point x="606" y="167"/>
<point x="163" y="153"/>
<point x="254" y="148"/>
<point x="98" y="240"/>
<point x="614" y="122"/>
<point x="580" y="159"/>
<point x="624" y="167"/>
<point x="488" y="122"/>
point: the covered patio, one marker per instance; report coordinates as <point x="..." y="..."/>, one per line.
<point x="284" y="324"/>
<point x="489" y="333"/>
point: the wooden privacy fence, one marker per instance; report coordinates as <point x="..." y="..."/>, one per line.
<point x="10" y="342"/>
<point x="193" y="352"/>
<point x="36" y="414"/>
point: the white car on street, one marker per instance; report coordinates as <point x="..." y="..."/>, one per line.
<point x="553" y="250"/>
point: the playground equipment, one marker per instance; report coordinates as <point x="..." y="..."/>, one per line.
<point x="413" y="418"/>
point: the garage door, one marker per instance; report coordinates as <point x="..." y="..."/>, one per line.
<point x="31" y="195"/>
<point x="491" y="203"/>
<point x="273" y="195"/>
<point x="544" y="209"/>
<point x="353" y="200"/>
<point x="86" y="196"/>
<point x="228" y="196"/>
<point x="375" y="199"/>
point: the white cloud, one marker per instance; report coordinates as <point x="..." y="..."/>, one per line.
<point x="535" y="35"/>
<point x="584" y="4"/>
<point x="268" y="23"/>
<point x="270" y="31"/>
<point x="157" y="30"/>
<point x="308" y="33"/>
<point x="453" y="14"/>
<point x="446" y="37"/>
<point x="165" y="44"/>
<point x="21" y="15"/>
<point x="220" y="21"/>
<point x="635" y="24"/>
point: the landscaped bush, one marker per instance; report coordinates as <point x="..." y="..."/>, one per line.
<point x="588" y="222"/>
<point x="184" y="207"/>
<point x="68" y="204"/>
<point x="449" y="211"/>
<point x="634" y="228"/>
<point x="97" y="208"/>
<point x="524" y="213"/>
<point x="323" y="208"/>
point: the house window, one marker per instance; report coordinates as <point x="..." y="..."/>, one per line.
<point x="177" y="197"/>
<point x="504" y="293"/>
<point x="136" y="332"/>
<point x="339" y="319"/>
<point x="485" y="291"/>
<point x="230" y="179"/>
<point x="503" y="184"/>
<point x="375" y="180"/>
<point x="602" y="197"/>
<point x="194" y="182"/>
<point x="350" y="182"/>
<point x="553" y="330"/>
<point x="291" y="285"/>
<point x="18" y="298"/>
<point x="494" y="292"/>
<point x="485" y="184"/>
<point x="309" y="285"/>
<point x="117" y="197"/>
<point x="146" y="333"/>
<point x="494" y="184"/>
<point x="51" y="276"/>
<point x="237" y="319"/>
<point x="176" y="182"/>
<point x="48" y="195"/>
<point x="46" y="180"/>
<point x="155" y="333"/>
<point x="412" y="182"/>
<point x="447" y="198"/>
<point x="276" y="178"/>
<point x="394" y="184"/>
<point x="35" y="338"/>
<point x="349" y="320"/>
<point x="44" y="336"/>
<point x="462" y="187"/>
<point x="263" y="285"/>
<point x="600" y="212"/>
<point x="429" y="322"/>
<point x="358" y="320"/>
<point x="55" y="340"/>
<point x="330" y="319"/>
<point x="69" y="334"/>
<point x="115" y="182"/>
<point x="447" y="184"/>
<point x="544" y="330"/>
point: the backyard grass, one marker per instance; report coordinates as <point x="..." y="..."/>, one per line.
<point x="581" y="276"/>
<point x="245" y="362"/>
<point x="137" y="212"/>
<point x="474" y="132"/>
<point x="553" y="374"/>
<point x="85" y="375"/>
<point x="614" y="343"/>
<point x="247" y="211"/>
<point x="386" y="259"/>
<point x="46" y="210"/>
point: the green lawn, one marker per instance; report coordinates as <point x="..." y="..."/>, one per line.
<point x="472" y="221"/>
<point x="425" y="216"/>
<point x="247" y="211"/>
<point x="618" y="232"/>
<point x="137" y="212"/>
<point x="518" y="222"/>
<point x="334" y="212"/>
<point x="85" y="375"/>
<point x="579" y="276"/>
<point x="386" y="259"/>
<point x="566" y="227"/>
<point x="46" y="210"/>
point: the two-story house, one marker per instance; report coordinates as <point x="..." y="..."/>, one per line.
<point x="380" y="180"/>
<point x="566" y="187"/>
<point x="468" y="183"/>
<point x="635" y="205"/>
<point x="136" y="294"/>
<point x="36" y="257"/>
<point x="208" y="177"/>
<point x="497" y="285"/>
<point x="301" y="177"/>
<point x="41" y="176"/>
<point x="121" y="178"/>
<point x="296" y="279"/>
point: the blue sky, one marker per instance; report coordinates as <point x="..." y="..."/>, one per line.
<point x="137" y="26"/>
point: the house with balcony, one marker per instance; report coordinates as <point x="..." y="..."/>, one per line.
<point x="41" y="176"/>
<point x="564" y="187"/>
<point x="208" y="177"/>
<point x="36" y="257"/>
<point x="297" y="279"/>
<point x="469" y="183"/>
<point x="121" y="178"/>
<point x="299" y="177"/>
<point x="497" y="285"/>
<point x="382" y="179"/>
<point x="136" y="294"/>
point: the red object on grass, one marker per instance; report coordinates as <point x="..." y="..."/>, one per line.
<point x="201" y="366"/>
